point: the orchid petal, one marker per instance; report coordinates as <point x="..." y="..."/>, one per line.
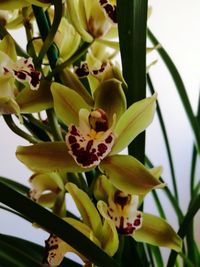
<point x="92" y="141"/>
<point x="35" y="101"/>
<point x="86" y="208"/>
<point x="76" y="21"/>
<point x="42" y="182"/>
<point x="12" y="4"/>
<point x="41" y="3"/>
<point x="67" y="103"/>
<point x="103" y="188"/>
<point x="109" y="236"/>
<point x="7" y="46"/>
<point x="9" y="106"/>
<point x="48" y="157"/>
<point x="135" y="120"/>
<point x="158" y="232"/>
<point x="67" y="39"/>
<point x="129" y="175"/>
<point x="156" y="172"/>
<point x="71" y="80"/>
<point x="56" y="248"/>
<point x="110" y="97"/>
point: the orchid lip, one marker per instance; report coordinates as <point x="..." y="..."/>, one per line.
<point x="92" y="141"/>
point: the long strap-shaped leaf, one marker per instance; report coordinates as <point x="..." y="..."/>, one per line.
<point x="54" y="224"/>
<point x="132" y="17"/>
<point x="180" y="88"/>
<point x="184" y="227"/>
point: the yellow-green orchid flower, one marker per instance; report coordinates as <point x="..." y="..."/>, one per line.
<point x="67" y="39"/>
<point x="98" y="66"/>
<point x="92" y="18"/>
<point x="16" y="4"/>
<point x="48" y="190"/>
<point x="13" y="19"/>
<point x="96" y="134"/>
<point x="122" y="209"/>
<point x="32" y="95"/>
<point x="102" y="233"/>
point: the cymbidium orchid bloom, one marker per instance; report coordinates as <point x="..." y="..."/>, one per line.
<point x="48" y="190"/>
<point x="92" y="18"/>
<point x="32" y="95"/>
<point x="15" y="4"/>
<point x="122" y="209"/>
<point x="102" y="232"/>
<point x="95" y="139"/>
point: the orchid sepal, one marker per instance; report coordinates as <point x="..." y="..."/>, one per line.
<point x="156" y="231"/>
<point x="31" y="101"/>
<point x="129" y="175"/>
<point x="110" y="97"/>
<point x="86" y="208"/>
<point x="66" y="99"/>
<point x="48" y="157"/>
<point x="134" y="120"/>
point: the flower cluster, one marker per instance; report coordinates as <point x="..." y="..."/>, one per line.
<point x="87" y="129"/>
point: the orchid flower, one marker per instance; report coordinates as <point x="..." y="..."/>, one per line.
<point x="21" y="87"/>
<point x="122" y="209"/>
<point x="15" y="4"/>
<point x="92" y="18"/>
<point x="48" y="190"/>
<point x="96" y="134"/>
<point x="102" y="233"/>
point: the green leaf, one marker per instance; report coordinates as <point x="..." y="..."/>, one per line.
<point x="180" y="88"/>
<point x="48" y="157"/>
<point x="132" y="39"/>
<point x="129" y="175"/>
<point x="67" y="103"/>
<point x="54" y="224"/>
<point x="15" y="185"/>
<point x="134" y="121"/>
<point x="110" y="97"/>
<point x="158" y="232"/>
<point x="23" y="249"/>
<point x="35" y="101"/>
<point x="86" y="208"/>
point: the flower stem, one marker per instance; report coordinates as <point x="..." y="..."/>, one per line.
<point x="9" y="121"/>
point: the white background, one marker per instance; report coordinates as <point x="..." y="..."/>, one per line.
<point x="176" y="23"/>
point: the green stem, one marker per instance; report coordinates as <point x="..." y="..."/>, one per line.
<point x="9" y="121"/>
<point x="54" y="125"/>
<point x="162" y="125"/>
<point x="29" y="30"/>
<point x="44" y="29"/>
<point x="53" y="30"/>
<point x="180" y="88"/>
<point x="184" y="227"/>
<point x="78" y="54"/>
